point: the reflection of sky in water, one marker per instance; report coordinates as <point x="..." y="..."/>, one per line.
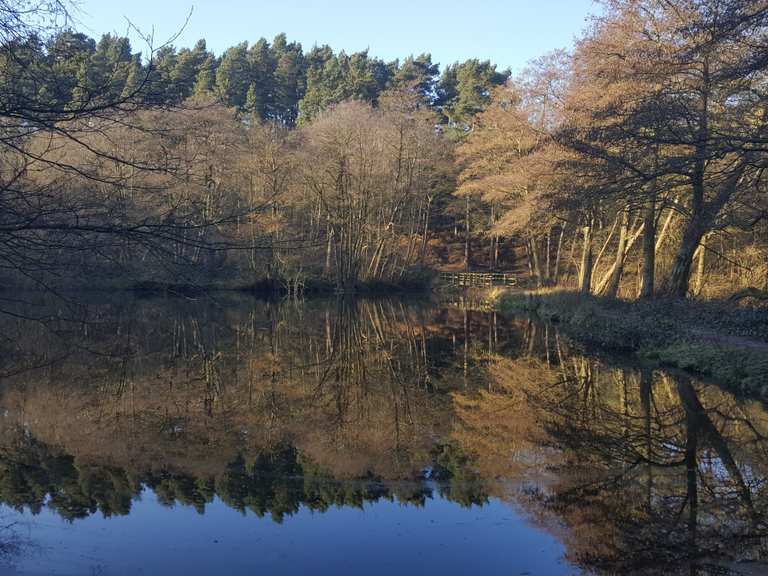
<point x="718" y="470"/>
<point x="383" y="538"/>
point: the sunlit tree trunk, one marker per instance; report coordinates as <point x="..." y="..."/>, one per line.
<point x="679" y="277"/>
<point x="612" y="288"/>
<point x="700" y="257"/>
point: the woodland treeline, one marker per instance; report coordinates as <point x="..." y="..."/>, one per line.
<point x="631" y="165"/>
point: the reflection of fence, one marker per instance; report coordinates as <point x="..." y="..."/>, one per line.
<point x="472" y="304"/>
<point x="483" y="279"/>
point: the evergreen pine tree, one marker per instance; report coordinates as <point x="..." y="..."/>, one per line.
<point x="205" y="82"/>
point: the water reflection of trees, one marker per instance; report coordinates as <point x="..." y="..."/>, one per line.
<point x="275" y="483"/>
<point x="647" y="472"/>
<point x="250" y="404"/>
<point x="273" y="407"/>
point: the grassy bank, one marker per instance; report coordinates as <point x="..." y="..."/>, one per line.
<point x="717" y="339"/>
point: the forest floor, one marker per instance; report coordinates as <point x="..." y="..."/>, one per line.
<point x="718" y="339"/>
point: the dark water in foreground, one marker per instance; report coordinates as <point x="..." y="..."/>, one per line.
<point x="360" y="437"/>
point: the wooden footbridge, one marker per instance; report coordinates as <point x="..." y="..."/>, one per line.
<point x="477" y="279"/>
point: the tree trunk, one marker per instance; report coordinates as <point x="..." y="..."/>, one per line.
<point x="679" y="277"/>
<point x="529" y="258"/>
<point x="702" y="216"/>
<point x="466" y="236"/>
<point x="612" y="288"/>
<point x="664" y="229"/>
<point x="535" y="259"/>
<point x="425" y="238"/>
<point x="631" y="238"/>
<point x="556" y="273"/>
<point x="328" y="251"/>
<point x="700" y="257"/>
<point x="492" y="247"/>
<point x="648" y="277"/>
<point x="585" y="272"/>
<point x="491" y="252"/>
<point x="604" y="247"/>
<point x="571" y="259"/>
<point x="547" y="260"/>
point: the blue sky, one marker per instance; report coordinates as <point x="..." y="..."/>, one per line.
<point x="508" y="32"/>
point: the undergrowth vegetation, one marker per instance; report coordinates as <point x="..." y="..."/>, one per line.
<point x="718" y="339"/>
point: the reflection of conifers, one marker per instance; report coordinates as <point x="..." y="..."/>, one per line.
<point x="174" y="393"/>
<point x="647" y="472"/>
<point x="278" y="483"/>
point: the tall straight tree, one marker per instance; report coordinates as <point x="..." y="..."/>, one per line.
<point x="233" y="76"/>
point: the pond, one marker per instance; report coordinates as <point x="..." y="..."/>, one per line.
<point x="238" y="436"/>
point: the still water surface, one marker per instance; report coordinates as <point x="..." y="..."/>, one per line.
<point x="226" y="436"/>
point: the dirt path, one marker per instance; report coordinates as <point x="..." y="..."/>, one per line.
<point x="713" y="337"/>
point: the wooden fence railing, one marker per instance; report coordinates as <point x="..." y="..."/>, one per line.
<point x="480" y="279"/>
